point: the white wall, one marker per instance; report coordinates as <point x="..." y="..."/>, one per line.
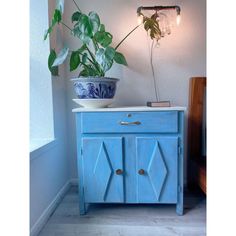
<point x="49" y="171"/>
<point x="180" y="56"/>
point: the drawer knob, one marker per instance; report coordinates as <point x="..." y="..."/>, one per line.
<point x="119" y="172"/>
<point x="141" y="171"/>
<point x="130" y="123"/>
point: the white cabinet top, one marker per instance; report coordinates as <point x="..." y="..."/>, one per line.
<point x="136" y="108"/>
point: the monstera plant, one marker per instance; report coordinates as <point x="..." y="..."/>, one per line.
<point x="96" y="53"/>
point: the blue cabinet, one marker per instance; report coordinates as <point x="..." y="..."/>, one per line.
<point x="130" y="156"/>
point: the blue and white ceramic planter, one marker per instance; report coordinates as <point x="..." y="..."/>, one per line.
<point x="94" y="92"/>
<point x="95" y="87"/>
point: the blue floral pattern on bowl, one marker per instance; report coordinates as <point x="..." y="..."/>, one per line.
<point x="95" y="88"/>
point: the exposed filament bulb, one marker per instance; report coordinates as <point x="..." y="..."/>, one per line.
<point x="178" y="19"/>
<point x="140" y="19"/>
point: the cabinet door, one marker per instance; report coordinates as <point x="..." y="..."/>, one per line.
<point x="103" y="169"/>
<point x="157" y="177"/>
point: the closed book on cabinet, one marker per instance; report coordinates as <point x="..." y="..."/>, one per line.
<point x="159" y="104"/>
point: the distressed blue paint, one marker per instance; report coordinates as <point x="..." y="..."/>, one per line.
<point x="158" y="157"/>
<point x="130" y="168"/>
<point x="157" y="171"/>
<point x="102" y="173"/>
<point x="180" y="203"/>
<point x="150" y="122"/>
<point x="101" y="158"/>
<point x="153" y="146"/>
<point x="80" y="165"/>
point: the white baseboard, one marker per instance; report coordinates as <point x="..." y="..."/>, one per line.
<point x="42" y="220"/>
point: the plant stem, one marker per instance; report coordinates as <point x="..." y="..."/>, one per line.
<point x="87" y="57"/>
<point x="93" y="63"/>
<point x="93" y="58"/>
<point x="84" y="65"/>
<point x="89" y="60"/>
<point x="66" y="26"/>
<point x="126" y="36"/>
<point x="77" y="5"/>
<point x="95" y="45"/>
<point x="90" y="53"/>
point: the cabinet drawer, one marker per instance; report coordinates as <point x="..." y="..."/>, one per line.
<point x="130" y="122"/>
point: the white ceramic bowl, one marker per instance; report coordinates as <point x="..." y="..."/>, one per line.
<point x="93" y="103"/>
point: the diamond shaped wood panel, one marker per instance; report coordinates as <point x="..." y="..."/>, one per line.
<point x="102" y="156"/>
<point x="157" y="157"/>
<point x="157" y="171"/>
<point x="102" y="172"/>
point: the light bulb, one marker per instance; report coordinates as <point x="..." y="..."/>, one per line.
<point x="178" y="18"/>
<point x="140" y="19"/>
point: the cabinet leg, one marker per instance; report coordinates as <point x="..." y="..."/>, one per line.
<point x="179" y="209"/>
<point x="180" y="203"/>
<point x="82" y="209"/>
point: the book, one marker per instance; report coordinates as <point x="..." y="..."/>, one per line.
<point x="159" y="104"/>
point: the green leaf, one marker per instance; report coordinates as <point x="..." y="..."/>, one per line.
<point x="84" y="58"/>
<point x="103" y="38"/>
<point x="95" y="21"/>
<point x="56" y="19"/>
<point x="88" y="70"/>
<point x="61" y="57"/>
<point x="110" y="53"/>
<point x="120" y="59"/>
<point x="74" y="60"/>
<point x="75" y="17"/>
<point x="83" y="29"/>
<point x="104" y="57"/>
<point x="85" y="25"/>
<point x="102" y="28"/>
<point x="99" y="55"/>
<point x="57" y="16"/>
<point x="51" y="58"/>
<point x="47" y="32"/>
<point x="84" y="72"/>
<point x="84" y="38"/>
<point x="82" y="48"/>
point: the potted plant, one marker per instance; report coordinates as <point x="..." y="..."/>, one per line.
<point x="95" y="56"/>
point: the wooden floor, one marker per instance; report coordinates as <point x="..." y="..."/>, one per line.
<point x="127" y="220"/>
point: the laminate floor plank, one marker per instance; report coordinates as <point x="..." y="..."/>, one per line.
<point x="127" y="220"/>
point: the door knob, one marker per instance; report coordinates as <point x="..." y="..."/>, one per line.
<point x="141" y="171"/>
<point x="119" y="172"/>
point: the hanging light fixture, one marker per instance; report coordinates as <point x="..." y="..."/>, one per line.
<point x="157" y="26"/>
<point x="160" y="8"/>
<point x="157" y="20"/>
